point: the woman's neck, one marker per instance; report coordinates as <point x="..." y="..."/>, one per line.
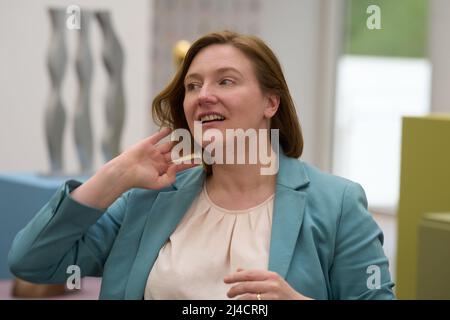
<point x="241" y="186"/>
<point x="239" y="178"/>
<point x="242" y="178"/>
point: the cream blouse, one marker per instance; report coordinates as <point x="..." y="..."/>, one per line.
<point x="209" y="243"/>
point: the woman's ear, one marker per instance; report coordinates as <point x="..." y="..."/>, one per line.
<point x="273" y="102"/>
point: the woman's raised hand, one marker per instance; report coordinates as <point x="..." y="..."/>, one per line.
<point x="146" y="165"/>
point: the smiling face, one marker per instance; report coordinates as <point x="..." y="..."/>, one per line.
<point x="223" y="92"/>
<point x="223" y="73"/>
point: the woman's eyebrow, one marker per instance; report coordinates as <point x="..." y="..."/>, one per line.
<point x="228" y="69"/>
<point x="192" y="75"/>
<point x="218" y="71"/>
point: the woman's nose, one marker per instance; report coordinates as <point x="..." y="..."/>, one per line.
<point x="206" y="95"/>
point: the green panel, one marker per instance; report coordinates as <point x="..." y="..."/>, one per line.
<point x="403" y="30"/>
<point x="424" y="187"/>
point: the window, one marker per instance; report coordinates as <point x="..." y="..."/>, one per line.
<point x="383" y="75"/>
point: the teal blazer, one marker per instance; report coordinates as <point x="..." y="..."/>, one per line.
<point x="324" y="242"/>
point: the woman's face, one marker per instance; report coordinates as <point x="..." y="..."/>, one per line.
<point x="221" y="81"/>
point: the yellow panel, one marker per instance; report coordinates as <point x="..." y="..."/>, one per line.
<point x="424" y="187"/>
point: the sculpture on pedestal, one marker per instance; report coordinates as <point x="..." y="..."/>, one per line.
<point x="113" y="58"/>
<point x="55" y="115"/>
<point x="82" y="118"/>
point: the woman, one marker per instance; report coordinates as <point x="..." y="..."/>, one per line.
<point x="175" y="231"/>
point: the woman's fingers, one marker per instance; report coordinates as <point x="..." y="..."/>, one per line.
<point x="247" y="275"/>
<point x="254" y="296"/>
<point x="156" y="137"/>
<point x="166" y="147"/>
<point x="166" y="179"/>
<point x="189" y="163"/>
<point x="252" y="287"/>
<point x="184" y="166"/>
<point x="262" y="285"/>
<point x="169" y="176"/>
<point x="168" y="157"/>
<point x="248" y="283"/>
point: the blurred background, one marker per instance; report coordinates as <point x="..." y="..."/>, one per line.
<point x="370" y="80"/>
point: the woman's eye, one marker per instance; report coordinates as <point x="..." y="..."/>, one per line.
<point x="192" y="86"/>
<point x="226" y="82"/>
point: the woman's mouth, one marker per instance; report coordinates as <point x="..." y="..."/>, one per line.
<point x="211" y="119"/>
<point x="211" y="123"/>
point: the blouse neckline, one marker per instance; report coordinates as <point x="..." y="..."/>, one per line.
<point x="240" y="211"/>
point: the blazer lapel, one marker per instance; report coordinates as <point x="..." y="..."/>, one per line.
<point x="288" y="211"/>
<point x="167" y="211"/>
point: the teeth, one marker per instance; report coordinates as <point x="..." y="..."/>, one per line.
<point x="211" y="117"/>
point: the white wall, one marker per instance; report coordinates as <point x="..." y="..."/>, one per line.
<point x="306" y="36"/>
<point x="24" y="82"/>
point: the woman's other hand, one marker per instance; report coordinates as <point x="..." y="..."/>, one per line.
<point x="260" y="285"/>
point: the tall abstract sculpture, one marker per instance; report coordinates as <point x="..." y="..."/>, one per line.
<point x="113" y="58"/>
<point x="82" y="118"/>
<point x="55" y="116"/>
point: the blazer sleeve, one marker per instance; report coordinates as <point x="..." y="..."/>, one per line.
<point x="360" y="269"/>
<point x="63" y="233"/>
